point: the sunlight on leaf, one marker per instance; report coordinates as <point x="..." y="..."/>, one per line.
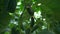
<point x="43" y="27"/>
<point x="19" y="12"/>
<point x="44" y="19"/>
<point x="33" y="2"/>
<point x="17" y="7"/>
<point x="19" y="3"/>
<point x="10" y="13"/>
<point x="37" y="14"/>
<point x="39" y="4"/>
<point x="14" y="22"/>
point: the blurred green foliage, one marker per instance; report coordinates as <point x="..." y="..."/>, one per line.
<point x="29" y="17"/>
